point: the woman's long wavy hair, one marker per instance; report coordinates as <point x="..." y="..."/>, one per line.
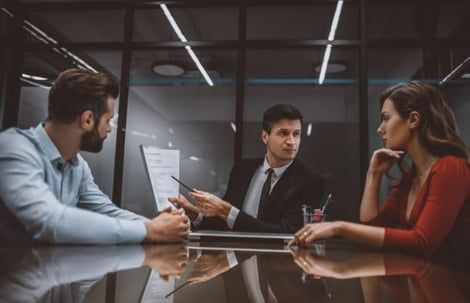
<point x="437" y="129"/>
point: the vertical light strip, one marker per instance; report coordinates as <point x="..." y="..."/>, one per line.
<point x="199" y="65"/>
<point x="173" y="23"/>
<point x="309" y="129"/>
<point x="331" y="37"/>
<point x="188" y="48"/>
<point x="324" y="65"/>
<point x="334" y="24"/>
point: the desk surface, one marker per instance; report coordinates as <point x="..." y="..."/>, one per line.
<point x="335" y="271"/>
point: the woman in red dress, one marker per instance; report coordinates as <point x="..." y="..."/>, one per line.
<point x="428" y="211"/>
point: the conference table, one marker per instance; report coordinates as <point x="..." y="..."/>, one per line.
<point x="217" y="268"/>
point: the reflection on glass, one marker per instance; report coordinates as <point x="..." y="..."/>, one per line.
<point x="180" y="112"/>
<point x="388" y="276"/>
<point x="330" y="113"/>
<point x="64" y="274"/>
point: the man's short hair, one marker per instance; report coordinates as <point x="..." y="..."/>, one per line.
<point x="278" y="112"/>
<point x="77" y="90"/>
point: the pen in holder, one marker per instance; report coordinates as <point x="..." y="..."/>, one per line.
<point x="312" y="216"/>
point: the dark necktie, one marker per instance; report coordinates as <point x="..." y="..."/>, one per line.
<point x="265" y="191"/>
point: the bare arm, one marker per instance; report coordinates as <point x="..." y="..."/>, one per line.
<point x="369" y="203"/>
<point x="363" y="234"/>
<point x="381" y="161"/>
<point x="359" y="233"/>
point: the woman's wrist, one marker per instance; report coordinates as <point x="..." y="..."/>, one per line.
<point x="340" y="228"/>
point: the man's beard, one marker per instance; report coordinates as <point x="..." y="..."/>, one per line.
<point x="92" y="141"/>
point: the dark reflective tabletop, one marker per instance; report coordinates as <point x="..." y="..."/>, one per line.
<point x="335" y="271"/>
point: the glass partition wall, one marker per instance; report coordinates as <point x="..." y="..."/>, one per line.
<point x="203" y="90"/>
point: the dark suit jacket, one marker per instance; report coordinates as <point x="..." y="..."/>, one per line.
<point x="282" y="211"/>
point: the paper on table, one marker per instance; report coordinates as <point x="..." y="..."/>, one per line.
<point x="161" y="164"/>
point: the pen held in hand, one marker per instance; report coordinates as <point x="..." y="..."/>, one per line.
<point x="182" y="184"/>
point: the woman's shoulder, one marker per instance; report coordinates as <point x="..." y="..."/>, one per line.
<point x="452" y="169"/>
<point x="452" y="162"/>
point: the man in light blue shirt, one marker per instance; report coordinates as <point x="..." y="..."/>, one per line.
<point x="47" y="192"/>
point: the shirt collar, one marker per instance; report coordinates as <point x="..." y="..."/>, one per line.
<point x="278" y="171"/>
<point x="49" y="147"/>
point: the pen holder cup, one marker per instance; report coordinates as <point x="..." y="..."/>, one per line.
<point x="315" y="217"/>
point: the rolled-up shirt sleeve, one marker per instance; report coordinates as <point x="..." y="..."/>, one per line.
<point x="27" y="196"/>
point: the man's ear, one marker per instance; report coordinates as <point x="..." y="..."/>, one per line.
<point x="86" y="120"/>
<point x="264" y="136"/>
<point x="414" y="119"/>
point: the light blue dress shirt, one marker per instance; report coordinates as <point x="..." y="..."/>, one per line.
<point x="54" y="200"/>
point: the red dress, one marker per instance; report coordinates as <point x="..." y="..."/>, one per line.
<point x="440" y="218"/>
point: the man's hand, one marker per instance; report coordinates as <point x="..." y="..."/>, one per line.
<point x="210" y="205"/>
<point x="182" y="202"/>
<point x="167" y="260"/>
<point x="208" y="266"/>
<point x="167" y="227"/>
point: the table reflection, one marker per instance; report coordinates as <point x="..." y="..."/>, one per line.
<point x="199" y="273"/>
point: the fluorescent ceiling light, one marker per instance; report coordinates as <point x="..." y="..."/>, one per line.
<point x="173" y="23"/>
<point x="34" y="83"/>
<point x="233" y="126"/>
<point x="7" y="12"/>
<point x="309" y="129"/>
<point x="334" y="24"/>
<point x="455" y="71"/>
<point x="188" y="48"/>
<point x="331" y="37"/>
<point x="46" y="39"/>
<point x="37" y="78"/>
<point x="324" y="65"/>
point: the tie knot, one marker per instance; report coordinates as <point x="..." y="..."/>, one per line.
<point x="269" y="171"/>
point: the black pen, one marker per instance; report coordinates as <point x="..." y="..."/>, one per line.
<point x="182" y="184"/>
<point x="327" y="204"/>
<point x="178" y="288"/>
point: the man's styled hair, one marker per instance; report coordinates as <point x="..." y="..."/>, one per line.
<point x="77" y="90"/>
<point x="278" y="112"/>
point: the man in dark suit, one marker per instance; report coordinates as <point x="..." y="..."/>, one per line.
<point x="263" y="195"/>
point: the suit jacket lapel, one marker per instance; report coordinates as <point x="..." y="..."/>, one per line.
<point x="246" y="176"/>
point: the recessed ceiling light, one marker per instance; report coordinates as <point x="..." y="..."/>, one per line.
<point x="333" y="67"/>
<point x="168" y="69"/>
